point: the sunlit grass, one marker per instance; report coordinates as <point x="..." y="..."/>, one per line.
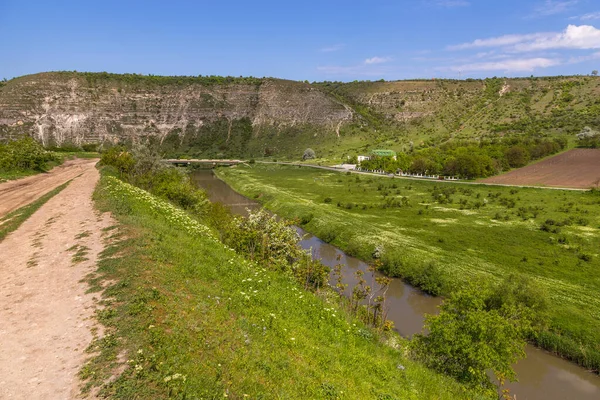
<point x="468" y="231"/>
<point x="195" y="320"/>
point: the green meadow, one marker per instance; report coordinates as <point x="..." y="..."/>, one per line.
<point x="193" y="319"/>
<point x="440" y="235"/>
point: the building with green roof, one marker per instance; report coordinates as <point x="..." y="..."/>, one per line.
<point x="384" y="153"/>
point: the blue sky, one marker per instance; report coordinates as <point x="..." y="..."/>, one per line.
<point x="313" y="40"/>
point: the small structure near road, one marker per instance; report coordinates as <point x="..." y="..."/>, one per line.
<point x="347" y="167"/>
<point x="384" y="153"/>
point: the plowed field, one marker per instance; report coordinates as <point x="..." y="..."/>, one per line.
<point x="577" y="168"/>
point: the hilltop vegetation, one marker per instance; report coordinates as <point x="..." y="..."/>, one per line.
<point x="256" y="118"/>
<point x="438" y="236"/>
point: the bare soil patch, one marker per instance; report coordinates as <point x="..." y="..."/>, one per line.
<point x="47" y="319"/>
<point x="577" y="168"/>
<point x="16" y="194"/>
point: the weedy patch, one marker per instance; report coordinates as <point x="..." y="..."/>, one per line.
<point x="547" y="235"/>
<point x="83" y="234"/>
<point x="81" y="252"/>
<point x="197" y="320"/>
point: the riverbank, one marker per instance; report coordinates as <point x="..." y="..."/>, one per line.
<point x="187" y="316"/>
<point x="438" y="236"/>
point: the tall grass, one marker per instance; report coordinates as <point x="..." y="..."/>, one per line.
<point x="438" y="236"/>
<point x="193" y="319"/>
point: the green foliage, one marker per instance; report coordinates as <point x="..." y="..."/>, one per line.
<point x="274" y="244"/>
<point x="467" y="160"/>
<point x="24" y="154"/>
<point x="309" y="154"/>
<point x="517" y="156"/>
<point x="97" y="78"/>
<point x="120" y="158"/>
<point x="426" y="275"/>
<point x="473" y="334"/>
<point x="445" y="234"/>
<point x="197" y="320"/>
<point x="143" y="168"/>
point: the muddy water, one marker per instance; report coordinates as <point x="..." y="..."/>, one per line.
<point x="542" y="376"/>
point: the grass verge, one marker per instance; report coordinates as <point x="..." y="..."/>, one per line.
<point x="11" y="221"/>
<point x="186" y="317"/>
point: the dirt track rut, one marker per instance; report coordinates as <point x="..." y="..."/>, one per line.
<point x="16" y="194"/>
<point x="46" y="317"/>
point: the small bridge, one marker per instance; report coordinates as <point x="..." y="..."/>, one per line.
<point x="208" y="163"/>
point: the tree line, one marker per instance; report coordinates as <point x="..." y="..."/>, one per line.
<point x="468" y="160"/>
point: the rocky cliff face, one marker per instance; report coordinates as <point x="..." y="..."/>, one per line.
<point x="63" y="107"/>
<point x="215" y="116"/>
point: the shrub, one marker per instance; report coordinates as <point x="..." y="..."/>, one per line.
<point x="175" y="186"/>
<point x="119" y="158"/>
<point x="309" y="154"/>
<point x="265" y="239"/>
<point x="24" y="155"/>
<point x="479" y="338"/>
<point x="90" y="147"/>
<point x="327" y="233"/>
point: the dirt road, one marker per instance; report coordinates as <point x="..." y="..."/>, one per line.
<point x="16" y="194"/>
<point x="46" y="318"/>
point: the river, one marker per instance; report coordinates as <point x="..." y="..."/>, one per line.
<point x="542" y="376"/>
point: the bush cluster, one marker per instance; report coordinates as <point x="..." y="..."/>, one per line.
<point x="24" y="154"/>
<point x="274" y="244"/>
<point x="143" y="168"/>
<point x="468" y="160"/>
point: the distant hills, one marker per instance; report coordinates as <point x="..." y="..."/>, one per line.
<point x="252" y="117"/>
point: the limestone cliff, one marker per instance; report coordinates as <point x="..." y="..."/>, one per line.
<point x="93" y="108"/>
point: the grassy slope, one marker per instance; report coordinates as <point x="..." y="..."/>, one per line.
<point x="557" y="106"/>
<point x="11" y="221"/>
<point x="463" y="241"/>
<point x="179" y="302"/>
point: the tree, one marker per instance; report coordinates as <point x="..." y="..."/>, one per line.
<point x="517" y="156"/>
<point x="309" y="154"/>
<point x="595" y="72"/>
<point x="469" y="337"/>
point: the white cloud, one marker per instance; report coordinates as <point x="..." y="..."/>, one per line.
<point x="589" y="16"/>
<point x="331" y="49"/>
<point x="577" y="60"/>
<point x="583" y="37"/>
<point x="499" y="41"/>
<point x="553" y="7"/>
<point x="377" y="60"/>
<point x="573" y="37"/>
<point x="512" y="65"/>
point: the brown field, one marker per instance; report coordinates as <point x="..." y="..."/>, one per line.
<point x="577" y="168"/>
